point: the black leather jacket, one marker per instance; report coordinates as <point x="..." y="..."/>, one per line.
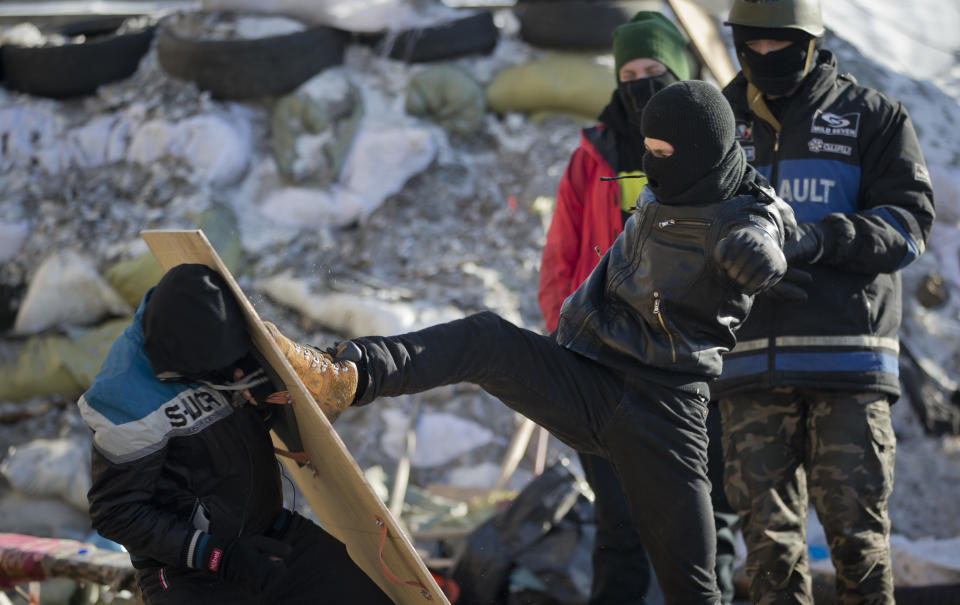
<point x="657" y="300"/>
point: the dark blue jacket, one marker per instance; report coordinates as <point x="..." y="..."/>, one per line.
<point x="847" y="156"/>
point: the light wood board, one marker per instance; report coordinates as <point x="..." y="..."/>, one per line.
<point x="710" y="49"/>
<point x="333" y="484"/>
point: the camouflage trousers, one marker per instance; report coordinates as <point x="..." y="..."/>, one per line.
<point x="785" y="448"/>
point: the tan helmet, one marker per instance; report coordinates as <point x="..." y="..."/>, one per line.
<point x="804" y="15"/>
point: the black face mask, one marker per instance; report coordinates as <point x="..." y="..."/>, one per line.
<point x="777" y="73"/>
<point x="686" y="177"/>
<point x="634" y="94"/>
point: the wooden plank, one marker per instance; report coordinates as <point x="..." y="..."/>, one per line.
<point x="333" y="483"/>
<point x="710" y="49"/>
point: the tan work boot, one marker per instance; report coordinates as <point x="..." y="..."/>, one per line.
<point x="331" y="381"/>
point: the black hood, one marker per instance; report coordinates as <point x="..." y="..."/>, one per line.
<point x="192" y="324"/>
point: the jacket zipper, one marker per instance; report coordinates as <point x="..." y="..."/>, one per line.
<point x="682" y="222"/>
<point x="771" y="352"/>
<point x="663" y="324"/>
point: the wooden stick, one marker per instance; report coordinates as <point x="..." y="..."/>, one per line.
<point x="518" y="445"/>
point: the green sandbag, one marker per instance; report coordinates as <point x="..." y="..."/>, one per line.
<point x="57" y="364"/>
<point x="300" y="114"/>
<point x="575" y="84"/>
<point x="86" y="353"/>
<point x="132" y="278"/>
<point x="449" y="96"/>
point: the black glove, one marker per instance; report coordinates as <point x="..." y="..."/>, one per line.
<point x="253" y="562"/>
<point x="792" y="287"/>
<point x="805" y="244"/>
<point x="751" y="258"/>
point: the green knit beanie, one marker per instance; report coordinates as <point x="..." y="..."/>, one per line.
<point x="649" y="34"/>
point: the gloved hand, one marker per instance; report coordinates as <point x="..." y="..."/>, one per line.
<point x="253" y="562"/>
<point x="750" y="258"/>
<point x="792" y="287"/>
<point x="805" y="244"/>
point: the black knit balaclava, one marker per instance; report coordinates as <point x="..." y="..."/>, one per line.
<point x="192" y="324"/>
<point x="777" y="73"/>
<point x="707" y="164"/>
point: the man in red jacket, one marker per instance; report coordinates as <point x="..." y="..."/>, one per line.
<point x="649" y="54"/>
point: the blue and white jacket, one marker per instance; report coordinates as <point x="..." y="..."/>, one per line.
<point x="172" y="458"/>
<point x="847" y="156"/>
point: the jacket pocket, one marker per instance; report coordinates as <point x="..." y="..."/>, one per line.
<point x="658" y="312"/>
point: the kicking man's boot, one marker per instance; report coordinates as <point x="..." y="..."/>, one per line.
<point x="332" y="380"/>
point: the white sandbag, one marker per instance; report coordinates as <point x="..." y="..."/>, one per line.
<point x="67" y="291"/>
<point x="379" y="163"/>
<point x="349" y="314"/>
<point x="449" y="437"/>
<point x="350" y="15"/>
<point x="313" y="208"/>
<point x="95" y="143"/>
<point x="216" y="149"/>
<point x="50" y="468"/>
<point x="925" y="562"/>
<point x="383" y="159"/>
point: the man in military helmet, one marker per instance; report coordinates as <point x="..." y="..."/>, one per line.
<point x="805" y="395"/>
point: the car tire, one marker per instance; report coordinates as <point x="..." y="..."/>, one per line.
<point x="76" y="69"/>
<point x="476" y="34"/>
<point x="250" y="68"/>
<point x="573" y="24"/>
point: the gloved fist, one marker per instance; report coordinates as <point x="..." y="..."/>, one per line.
<point x="751" y="259"/>
<point x="253" y="562"/>
<point x="792" y="287"/>
<point x="805" y="244"/>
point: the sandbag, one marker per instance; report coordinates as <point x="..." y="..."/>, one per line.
<point x="312" y="128"/>
<point x="50" y="468"/>
<point x="449" y="96"/>
<point x="66" y="290"/>
<point x="56" y="364"/>
<point x="575" y="84"/>
<point x="131" y="278"/>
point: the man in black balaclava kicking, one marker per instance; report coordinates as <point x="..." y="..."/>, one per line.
<point x="636" y="343"/>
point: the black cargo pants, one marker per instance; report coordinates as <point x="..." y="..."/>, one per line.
<point x="654" y="436"/>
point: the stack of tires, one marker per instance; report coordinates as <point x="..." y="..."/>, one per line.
<point x="97" y="51"/>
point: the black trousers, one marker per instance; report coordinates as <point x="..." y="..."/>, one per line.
<point x="621" y="569"/>
<point x="654" y="436"/>
<point x="319" y="570"/>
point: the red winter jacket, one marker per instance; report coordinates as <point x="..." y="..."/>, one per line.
<point x="585" y="223"/>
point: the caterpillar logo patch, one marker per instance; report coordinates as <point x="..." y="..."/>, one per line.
<point x="818" y="145"/>
<point x="831" y="124"/>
